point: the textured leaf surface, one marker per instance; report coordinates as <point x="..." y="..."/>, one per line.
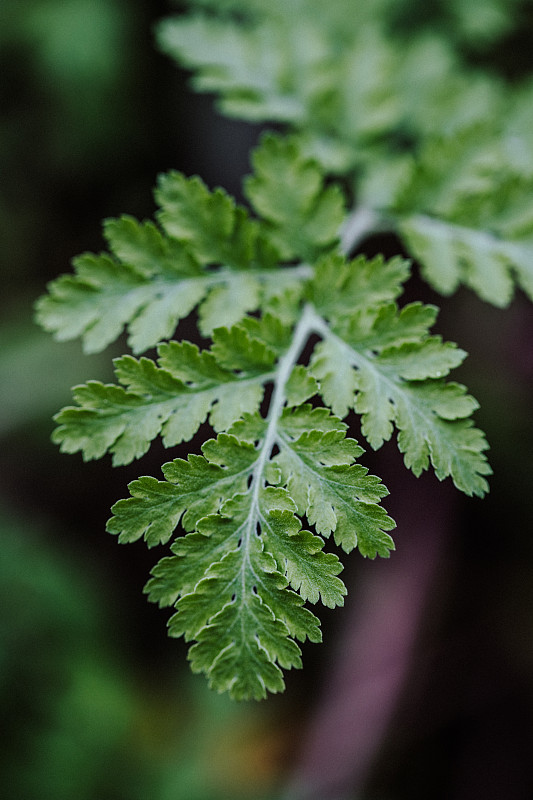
<point x="453" y="254"/>
<point x="331" y="72"/>
<point x="172" y="399"/>
<point x="383" y="364"/>
<point x="215" y="228"/>
<point x="232" y="575"/>
<point x="340" y="287"/>
<point x="466" y="214"/>
<point x="209" y="254"/>
<point x="240" y="578"/>
<point x="287" y="190"/>
<point x="243" y="563"/>
<point x="262" y="72"/>
<point x="334" y="493"/>
<point x="192" y="489"/>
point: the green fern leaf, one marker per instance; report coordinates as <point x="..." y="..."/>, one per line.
<point x="210" y="254"/>
<point x="103" y="295"/>
<point x="288" y="191"/>
<point x="392" y="372"/>
<point x="467" y="215"/>
<point x="340" y="287"/>
<point x="260" y="71"/>
<point x="453" y="254"/>
<point x="248" y="546"/>
<point x="243" y="565"/>
<point x="215" y="228"/>
<point x="233" y="587"/>
<point x="335" y="494"/>
<point x="241" y="601"/>
<point x="172" y="401"/>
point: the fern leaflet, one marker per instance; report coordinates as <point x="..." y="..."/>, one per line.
<point x="247" y="519"/>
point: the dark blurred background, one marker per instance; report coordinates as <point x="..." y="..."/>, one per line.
<point x="426" y="676"/>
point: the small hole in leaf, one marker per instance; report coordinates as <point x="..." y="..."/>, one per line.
<point x="265" y="404"/>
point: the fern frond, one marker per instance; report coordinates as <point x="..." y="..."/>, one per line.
<point x="248" y="517"/>
<point x="383" y="364"/>
<point x="287" y="191"/>
<point x="451" y="255"/>
<point x="340" y="287"/>
<point x="261" y="71"/>
<point x="248" y="545"/>
<point x="467" y="216"/>
<point x="172" y="399"/>
<point x="342" y="82"/>
<point x="209" y="254"/>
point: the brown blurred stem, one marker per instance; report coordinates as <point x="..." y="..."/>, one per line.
<point x="370" y="667"/>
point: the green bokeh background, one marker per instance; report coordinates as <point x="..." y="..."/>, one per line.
<point x="96" y="703"/>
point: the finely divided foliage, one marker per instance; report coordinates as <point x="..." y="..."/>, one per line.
<point x="241" y="575"/>
<point x="300" y="333"/>
<point x="459" y="196"/>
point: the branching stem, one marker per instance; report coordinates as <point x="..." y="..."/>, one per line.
<point x="286" y="364"/>
<point x="358" y="225"/>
